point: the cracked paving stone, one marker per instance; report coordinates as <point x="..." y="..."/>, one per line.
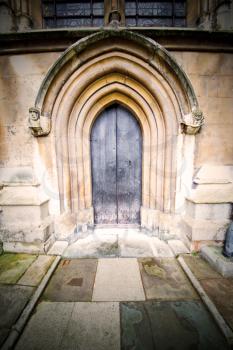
<point x="84" y="326"/>
<point x="220" y="290"/>
<point x="72" y="281"/>
<point x="13" y="299"/>
<point x="167" y="325"/>
<point x="163" y="279"/>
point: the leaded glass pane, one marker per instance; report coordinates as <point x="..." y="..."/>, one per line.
<point x="130" y="8"/>
<point x="180" y="9"/>
<point x="74" y="22"/>
<point x="98" y="8"/>
<point x="153" y="8"/>
<point x="154" y="22"/>
<point x="180" y="22"/>
<point x="98" y="22"/>
<point x="131" y="22"/>
<point x="74" y="9"/>
<point x="49" y="23"/>
<point x="162" y="13"/>
<point x="73" y="13"/>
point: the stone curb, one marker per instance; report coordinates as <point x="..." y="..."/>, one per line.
<point x="21" y="322"/>
<point x="226" y="330"/>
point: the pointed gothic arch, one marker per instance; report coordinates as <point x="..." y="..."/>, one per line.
<point x="130" y="69"/>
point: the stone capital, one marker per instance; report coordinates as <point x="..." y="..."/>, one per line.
<point x="40" y="125"/>
<point x="192" y="122"/>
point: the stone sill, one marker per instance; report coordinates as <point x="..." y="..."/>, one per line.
<point x="51" y="40"/>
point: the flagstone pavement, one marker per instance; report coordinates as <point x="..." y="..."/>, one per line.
<point x="113" y="303"/>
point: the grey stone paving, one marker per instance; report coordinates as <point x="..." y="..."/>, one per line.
<point x="36" y="271"/>
<point x="219" y="289"/>
<point x="83" y="326"/>
<point x="200" y="268"/>
<point x="169" y="325"/>
<point x="90" y="299"/>
<point x="72" y="281"/>
<point x="118" y="279"/>
<point x="221" y="292"/>
<point x="163" y="279"/>
<point x="13" y="266"/>
<point x="13" y="298"/>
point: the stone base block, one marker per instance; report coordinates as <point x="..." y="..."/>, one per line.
<point x="204" y="230"/>
<point x="23" y="204"/>
<point x="28" y="247"/>
<point x="208" y="211"/>
<point x="215" y="258"/>
<point x="27" y="233"/>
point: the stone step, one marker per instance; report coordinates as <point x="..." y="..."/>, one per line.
<point x="122" y="243"/>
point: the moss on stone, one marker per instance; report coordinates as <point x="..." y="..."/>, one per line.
<point x="153" y="269"/>
<point x="13" y="266"/>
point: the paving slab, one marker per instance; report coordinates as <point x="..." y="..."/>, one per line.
<point x="58" y="248"/>
<point x="83" y="326"/>
<point x="214" y="256"/>
<point x="93" y="246"/>
<point x="36" y="271"/>
<point x="46" y="327"/>
<point x="118" y="279"/>
<point x="163" y="279"/>
<point x="200" y="268"/>
<point x="13" y="298"/>
<point x="72" y="281"/>
<point x="221" y="292"/>
<point x="177" y="247"/>
<point x="13" y="266"/>
<point x="168" y="325"/>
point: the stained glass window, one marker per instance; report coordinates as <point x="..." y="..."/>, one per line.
<point x="160" y="13"/>
<point x="63" y="13"/>
<point x="90" y="13"/>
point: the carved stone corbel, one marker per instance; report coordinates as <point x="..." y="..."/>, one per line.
<point x="192" y="122"/>
<point x="40" y="125"/>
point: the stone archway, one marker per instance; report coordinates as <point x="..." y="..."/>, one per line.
<point x="126" y="68"/>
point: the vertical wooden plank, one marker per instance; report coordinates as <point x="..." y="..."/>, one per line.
<point x="129" y="167"/>
<point x="103" y="151"/>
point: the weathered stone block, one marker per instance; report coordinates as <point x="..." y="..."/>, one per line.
<point x="201" y="230"/>
<point x="216" y="259"/>
<point x="218" y="211"/>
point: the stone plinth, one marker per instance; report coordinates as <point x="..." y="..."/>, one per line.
<point x="214" y="256"/>
<point x="26" y="225"/>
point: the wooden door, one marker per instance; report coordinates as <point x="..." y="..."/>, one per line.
<point x="116" y="147"/>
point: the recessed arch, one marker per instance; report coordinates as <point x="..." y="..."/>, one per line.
<point x="137" y="73"/>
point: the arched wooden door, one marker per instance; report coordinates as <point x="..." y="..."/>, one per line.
<point x="116" y="151"/>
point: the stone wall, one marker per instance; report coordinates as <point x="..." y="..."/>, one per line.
<point x="21" y="75"/>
